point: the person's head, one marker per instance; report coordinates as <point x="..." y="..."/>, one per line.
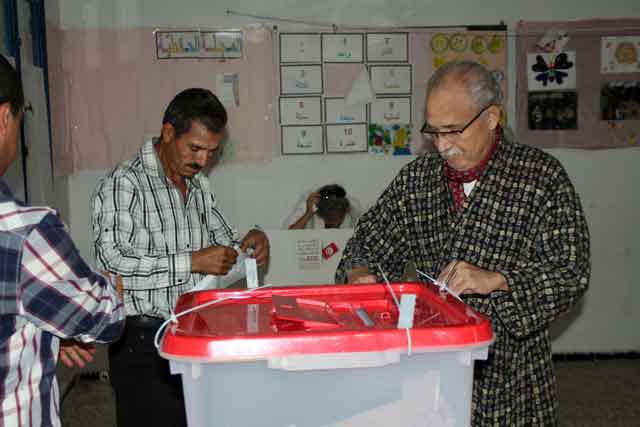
<point x="462" y="112"/>
<point x="193" y="126"/>
<point x="333" y="205"/>
<point x="11" y="104"/>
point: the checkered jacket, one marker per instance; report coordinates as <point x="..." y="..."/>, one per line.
<point x="144" y="230"/>
<point x="522" y="219"/>
<point x="47" y="292"/>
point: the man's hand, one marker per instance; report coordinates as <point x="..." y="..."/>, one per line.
<point x="361" y="275"/>
<point x="76" y="355"/>
<point x="117" y="282"/>
<point x="257" y="240"/>
<point x="312" y="202"/>
<point x="465" y="278"/>
<point x="216" y="260"/>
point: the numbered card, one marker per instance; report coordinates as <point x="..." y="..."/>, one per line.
<point x="300" y="48"/>
<point x="337" y="112"/>
<point x="300" y="79"/>
<point x="301" y="111"/>
<point x="391" y="79"/>
<point x="177" y="44"/>
<point x="343" y="47"/>
<point x="387" y="47"/>
<point x="389" y="111"/>
<point x="346" y="138"/>
<point x="302" y="140"/>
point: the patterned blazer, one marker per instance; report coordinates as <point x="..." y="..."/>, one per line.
<point x="523" y="219"/>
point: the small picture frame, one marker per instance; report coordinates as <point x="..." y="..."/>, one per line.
<point x="302" y="140"/>
<point x="177" y="44"/>
<point x="391" y="79"/>
<point x="343" y="47"/>
<point x="351" y="138"/>
<point x="301" y="79"/>
<point x="391" y="111"/>
<point x="300" y="47"/>
<point x="336" y="112"/>
<point x="301" y="110"/>
<point x="387" y="47"/>
<point x="221" y="44"/>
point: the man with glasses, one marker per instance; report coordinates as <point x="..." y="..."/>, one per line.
<point x="47" y="292"/>
<point x="500" y="223"/>
<point x="156" y="222"/>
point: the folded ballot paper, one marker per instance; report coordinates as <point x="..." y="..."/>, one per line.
<point x="245" y="266"/>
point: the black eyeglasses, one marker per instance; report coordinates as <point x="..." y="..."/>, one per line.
<point x="435" y="133"/>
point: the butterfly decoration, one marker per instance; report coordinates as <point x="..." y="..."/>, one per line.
<point x="552" y="71"/>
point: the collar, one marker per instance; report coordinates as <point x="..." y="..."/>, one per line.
<point x="5" y="192"/>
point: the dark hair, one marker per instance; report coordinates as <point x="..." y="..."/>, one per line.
<point x="333" y="201"/>
<point x="10" y="86"/>
<point x="195" y="104"/>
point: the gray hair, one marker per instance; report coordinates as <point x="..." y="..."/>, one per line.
<point x="481" y="85"/>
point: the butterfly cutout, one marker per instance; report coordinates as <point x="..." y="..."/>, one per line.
<point x="552" y="72"/>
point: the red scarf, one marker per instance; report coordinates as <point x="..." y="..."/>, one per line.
<point x="456" y="178"/>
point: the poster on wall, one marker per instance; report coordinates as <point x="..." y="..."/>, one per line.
<point x="301" y="111"/>
<point x="343" y="47"/>
<point x="177" y="44"/>
<point x="620" y="101"/>
<point x="387" y="47"/>
<point x="390" y="139"/>
<point x="390" y="111"/>
<point x="300" y="48"/>
<point x="553" y="110"/>
<point x="351" y="138"/>
<point x="221" y="44"/>
<point x="551" y="71"/>
<point x="302" y="140"/>
<point x="391" y="79"/>
<point x="620" y="54"/>
<point x="336" y="111"/>
<point x="300" y="79"/>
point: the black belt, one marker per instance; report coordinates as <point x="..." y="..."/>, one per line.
<point x="144" y="321"/>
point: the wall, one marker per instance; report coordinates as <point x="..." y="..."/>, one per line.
<point x="264" y="193"/>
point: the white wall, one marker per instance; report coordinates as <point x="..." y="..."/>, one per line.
<point x="264" y="193"/>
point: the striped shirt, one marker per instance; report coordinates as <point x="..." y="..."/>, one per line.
<point x="47" y="292"/>
<point x="145" y="230"/>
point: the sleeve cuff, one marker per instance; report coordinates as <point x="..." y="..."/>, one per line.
<point x="180" y="267"/>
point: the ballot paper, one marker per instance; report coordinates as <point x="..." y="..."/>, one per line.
<point x="237" y="272"/>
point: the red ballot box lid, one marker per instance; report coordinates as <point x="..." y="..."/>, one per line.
<point x="307" y="320"/>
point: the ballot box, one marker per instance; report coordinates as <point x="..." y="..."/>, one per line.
<point x="330" y="355"/>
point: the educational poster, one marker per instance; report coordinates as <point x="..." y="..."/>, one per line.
<point x="350" y="138"/>
<point x="390" y="139"/>
<point x="300" y="79"/>
<point x="620" y="54"/>
<point x="198" y="44"/>
<point x="390" y="111"/>
<point x="300" y="48"/>
<point x="301" y="111"/>
<point x="387" y="47"/>
<point x="556" y="110"/>
<point x="177" y="44"/>
<point x="302" y="140"/>
<point x="591" y="99"/>
<point x="337" y="112"/>
<point x="620" y="101"/>
<point x="391" y="79"/>
<point x="343" y="47"/>
<point x="221" y="44"/>
<point x="487" y="48"/>
<point x="551" y="71"/>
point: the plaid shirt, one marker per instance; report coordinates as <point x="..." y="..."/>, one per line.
<point x="524" y="219"/>
<point x="145" y="231"/>
<point x="47" y="292"/>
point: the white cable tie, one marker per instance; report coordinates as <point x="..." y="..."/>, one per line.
<point x="442" y="285"/>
